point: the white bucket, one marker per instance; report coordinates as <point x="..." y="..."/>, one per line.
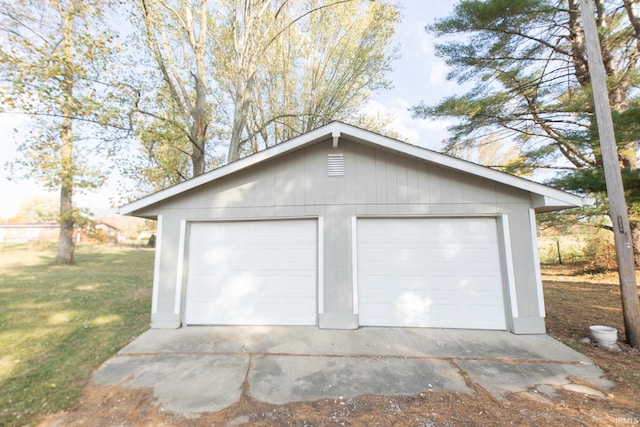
<point x="605" y="335"/>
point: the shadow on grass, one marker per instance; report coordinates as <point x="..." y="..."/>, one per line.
<point x="58" y="323"/>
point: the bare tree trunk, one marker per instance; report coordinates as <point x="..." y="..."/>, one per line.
<point x="248" y="48"/>
<point x="192" y="111"/>
<point x="633" y="18"/>
<point x="66" y="247"/>
<point x="198" y="114"/>
<point x="241" y="109"/>
<point x="577" y="44"/>
<point x="65" y="241"/>
<point x="632" y="162"/>
<point x="635" y="240"/>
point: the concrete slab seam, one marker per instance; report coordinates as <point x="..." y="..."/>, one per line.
<point x="245" y="387"/>
<point x="465" y="376"/>
<point x="136" y="373"/>
<point x="151" y="358"/>
<point x="358" y="356"/>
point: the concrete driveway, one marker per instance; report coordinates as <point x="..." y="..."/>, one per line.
<point x="200" y="369"/>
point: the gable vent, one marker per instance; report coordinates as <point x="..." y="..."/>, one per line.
<point x="335" y="164"/>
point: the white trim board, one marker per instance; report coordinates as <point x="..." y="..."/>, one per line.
<point x="156" y="266"/>
<point x="182" y="242"/>
<point x="536" y="261"/>
<point x="354" y="262"/>
<point x="320" y="265"/>
<point x="508" y="260"/>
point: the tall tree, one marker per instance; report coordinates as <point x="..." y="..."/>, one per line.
<point x="526" y="65"/>
<point x="290" y="67"/>
<point x="56" y="63"/>
<point x="176" y="36"/>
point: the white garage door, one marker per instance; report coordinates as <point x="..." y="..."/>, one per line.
<point x="435" y="272"/>
<point x="252" y="273"/>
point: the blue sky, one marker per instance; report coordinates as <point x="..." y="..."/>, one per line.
<point x="418" y="76"/>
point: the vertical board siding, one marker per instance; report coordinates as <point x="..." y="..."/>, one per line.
<point x="368" y="161"/>
<point x="413" y="191"/>
<point x="300" y="177"/>
<point x="283" y="191"/>
<point x="391" y="169"/>
<point x="380" y="178"/>
<point x="310" y="178"/>
<point x="350" y="179"/>
<point x="383" y="181"/>
<point x="401" y="177"/>
<point x="359" y="177"/>
<point x="424" y="192"/>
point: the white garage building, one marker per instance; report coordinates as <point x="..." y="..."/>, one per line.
<point x="343" y="228"/>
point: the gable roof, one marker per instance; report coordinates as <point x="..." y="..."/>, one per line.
<point x="544" y="198"/>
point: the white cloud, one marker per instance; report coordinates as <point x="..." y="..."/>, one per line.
<point x="438" y="74"/>
<point x="426" y="40"/>
<point x="423" y="132"/>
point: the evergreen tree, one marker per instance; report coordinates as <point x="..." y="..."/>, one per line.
<point x="526" y="66"/>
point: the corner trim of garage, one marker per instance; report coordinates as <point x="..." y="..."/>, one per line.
<point x="182" y="241"/>
<point x="536" y="262"/>
<point x="320" y="267"/>
<point x="156" y="266"/>
<point x="354" y="262"/>
<point x="508" y="260"/>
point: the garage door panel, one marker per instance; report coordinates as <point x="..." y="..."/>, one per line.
<point x="224" y="264"/>
<point x="257" y="272"/>
<point x="441" y="272"/>
<point x="297" y="256"/>
<point x="242" y="286"/>
<point x="257" y="314"/>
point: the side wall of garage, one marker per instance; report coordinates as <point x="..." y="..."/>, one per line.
<point x="375" y="183"/>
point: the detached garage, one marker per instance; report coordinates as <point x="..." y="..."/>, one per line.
<point x="343" y="228"/>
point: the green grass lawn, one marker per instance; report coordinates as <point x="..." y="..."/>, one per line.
<point x="58" y="324"/>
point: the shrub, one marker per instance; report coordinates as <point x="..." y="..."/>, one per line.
<point x="599" y="253"/>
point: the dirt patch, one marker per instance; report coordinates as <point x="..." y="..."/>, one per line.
<point x="108" y="406"/>
<point x="573" y="303"/>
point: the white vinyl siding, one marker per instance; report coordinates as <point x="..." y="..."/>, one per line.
<point x="430" y="272"/>
<point x="252" y="273"/>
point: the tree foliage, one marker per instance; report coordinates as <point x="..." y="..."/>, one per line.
<point x="272" y="70"/>
<point x="40" y="209"/>
<point x="526" y="66"/>
<point x="495" y="154"/>
<point x="54" y="64"/>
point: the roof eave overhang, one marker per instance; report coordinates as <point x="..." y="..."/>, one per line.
<point x="136" y="206"/>
<point x="544" y="198"/>
<point x="543" y="204"/>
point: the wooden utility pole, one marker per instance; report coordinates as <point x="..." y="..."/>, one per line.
<point x="613" y="178"/>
